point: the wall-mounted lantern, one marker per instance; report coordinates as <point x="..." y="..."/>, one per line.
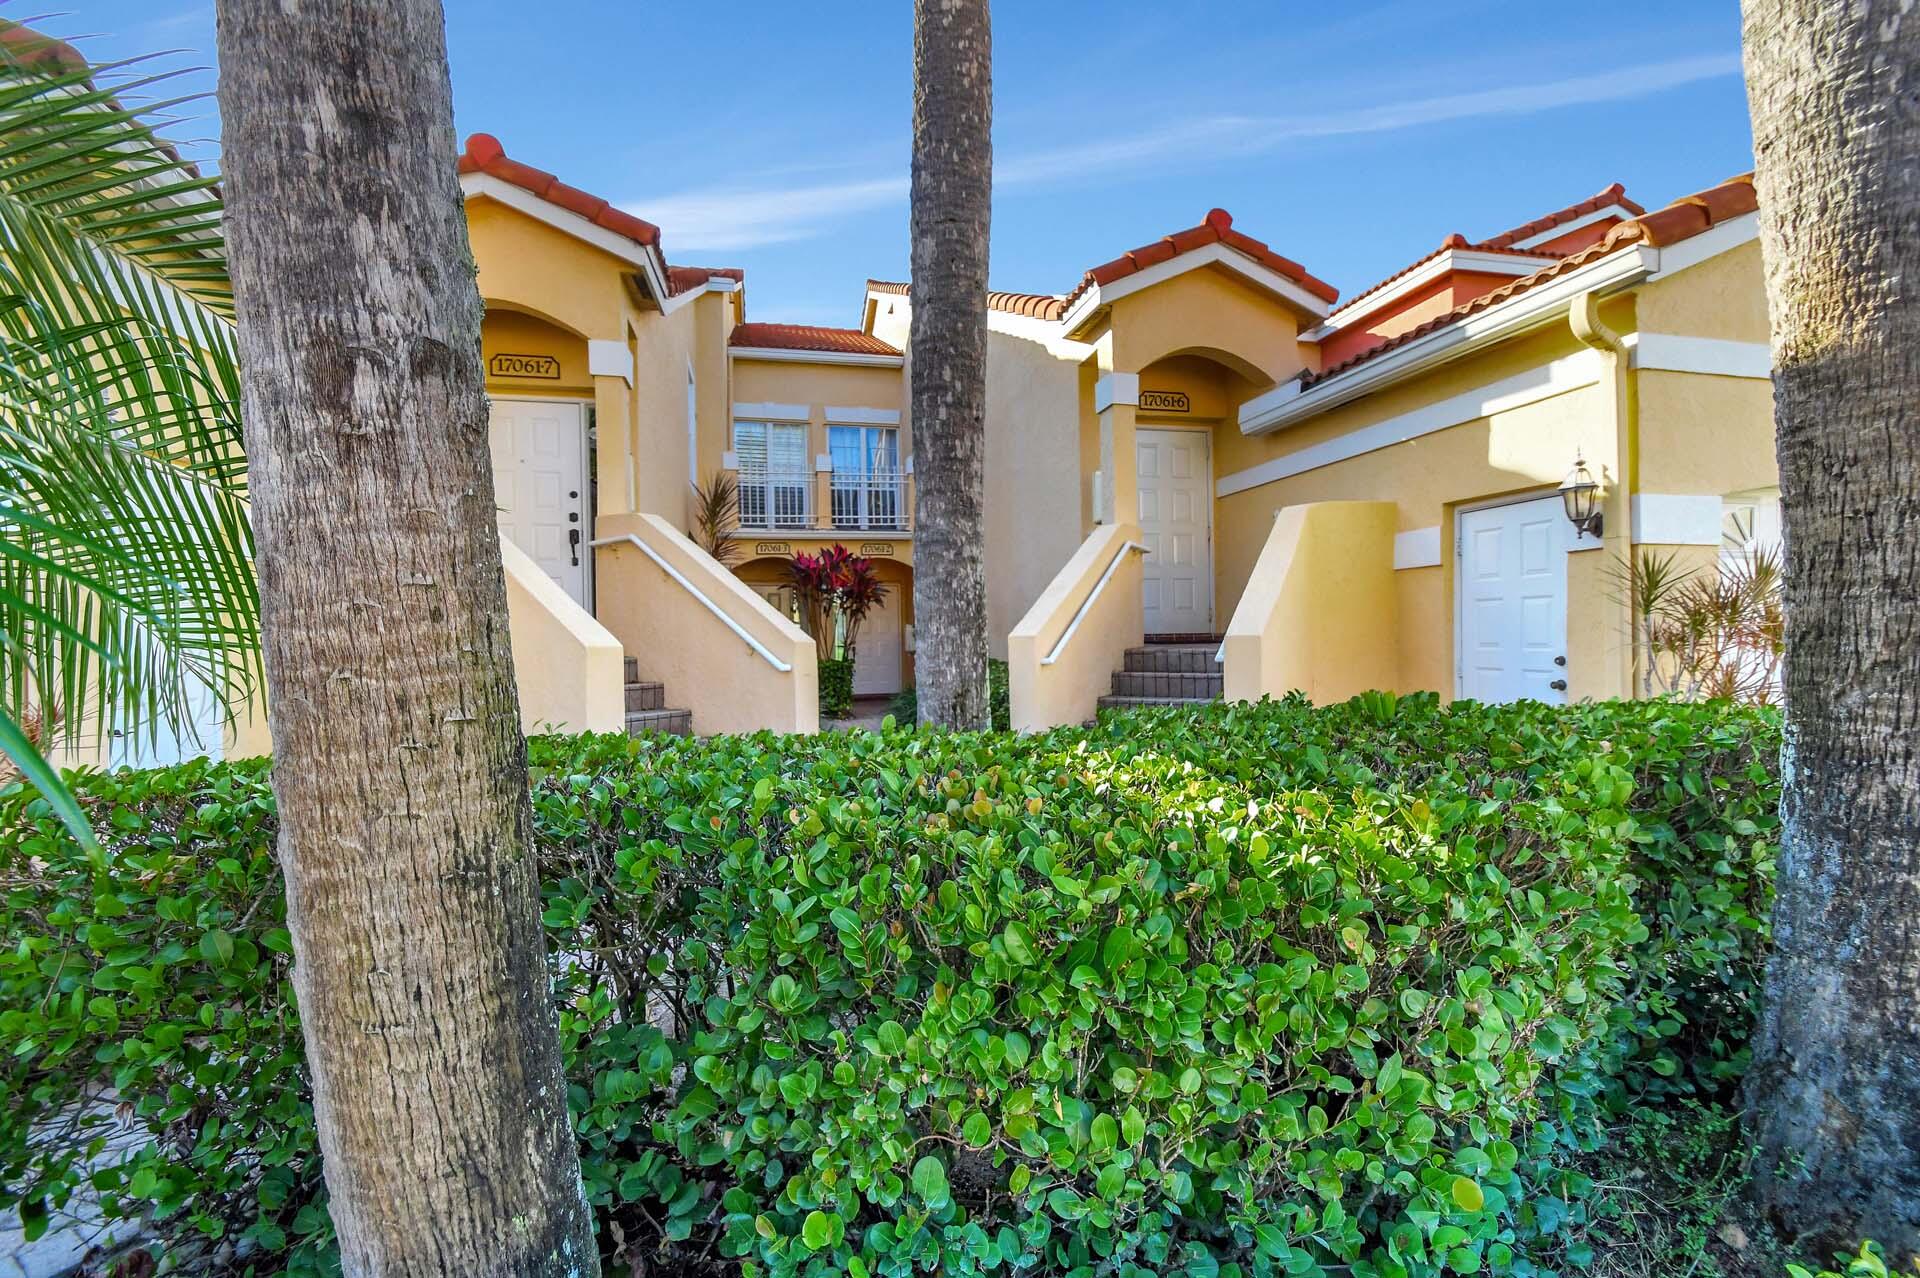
<point x="1580" y="494"/>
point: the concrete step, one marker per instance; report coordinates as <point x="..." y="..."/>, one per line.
<point x="677" y="722"/>
<point x="633" y="670"/>
<point x="646" y="696"/>
<point x="1163" y="683"/>
<point x="1121" y="702"/>
<point x="1172" y="658"/>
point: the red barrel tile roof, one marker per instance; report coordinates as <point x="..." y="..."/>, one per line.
<point x="484" y="154"/>
<point x="1681" y="220"/>
<point x="684" y="278"/>
<point x="1454" y="241"/>
<point x="1216" y="229"/>
<point x="1046" y="306"/>
<point x="1615" y="194"/>
<point x="808" y="337"/>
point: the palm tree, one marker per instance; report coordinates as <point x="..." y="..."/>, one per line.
<point x="952" y="198"/>
<point x="126" y="581"/>
<point x="1834" y="1092"/>
<point x="400" y="772"/>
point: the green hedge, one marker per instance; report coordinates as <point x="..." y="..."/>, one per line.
<point x="906" y="704"/>
<point x="1235" y="990"/>
<point x="836" y="688"/>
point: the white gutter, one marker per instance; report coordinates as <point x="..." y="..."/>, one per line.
<point x="787" y="355"/>
<point x="1287" y="403"/>
<point x="629" y="539"/>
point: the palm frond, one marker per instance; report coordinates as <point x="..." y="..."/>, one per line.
<point x="126" y="578"/>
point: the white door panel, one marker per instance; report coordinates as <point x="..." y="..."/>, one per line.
<point x="540" y="485"/>
<point x="876" y="658"/>
<point x="1175" y="473"/>
<point x="1512" y="583"/>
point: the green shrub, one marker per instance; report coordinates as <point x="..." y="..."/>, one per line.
<point x="1235" y="990"/>
<point x="906" y="704"/>
<point x="836" y="687"/>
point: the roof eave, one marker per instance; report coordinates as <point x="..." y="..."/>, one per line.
<point x="647" y="257"/>
<point x="1534" y="308"/>
<point x="1083" y="313"/>
<point x="794" y="355"/>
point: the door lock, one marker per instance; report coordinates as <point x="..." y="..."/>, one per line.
<point x="1560" y="661"/>
<point x="573" y="545"/>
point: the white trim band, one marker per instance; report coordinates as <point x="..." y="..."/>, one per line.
<point x="1676" y="519"/>
<point x="1557" y="377"/>
<point x="607" y="358"/>
<point x="1717" y="357"/>
<point x="1417" y="548"/>
<point x="1115" y="388"/>
<point x="837" y="416"/>
<point x="782" y="355"/>
<point x="772" y="412"/>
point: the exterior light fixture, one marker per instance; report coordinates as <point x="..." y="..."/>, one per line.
<point x="1580" y="493"/>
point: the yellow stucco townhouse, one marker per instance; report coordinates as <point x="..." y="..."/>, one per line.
<point x="1207" y="473"/>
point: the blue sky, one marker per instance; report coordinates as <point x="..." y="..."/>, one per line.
<point x="1353" y="137"/>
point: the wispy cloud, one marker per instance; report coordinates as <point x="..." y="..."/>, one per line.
<point x="743" y="216"/>
<point x="736" y="218"/>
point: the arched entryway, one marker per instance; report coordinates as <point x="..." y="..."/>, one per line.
<point x="882" y="663"/>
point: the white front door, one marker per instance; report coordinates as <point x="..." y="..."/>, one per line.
<point x="876" y="655"/>
<point x="540" y="485"/>
<point x="1512" y="587"/>
<point x="1175" y="469"/>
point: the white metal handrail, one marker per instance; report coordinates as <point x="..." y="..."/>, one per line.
<point x="1087" y="603"/>
<point x="783" y="667"/>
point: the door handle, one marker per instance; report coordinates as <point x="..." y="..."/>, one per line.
<point x="573" y="545"/>
<point x="1558" y="685"/>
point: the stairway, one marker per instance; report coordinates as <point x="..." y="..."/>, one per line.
<point x="647" y="709"/>
<point x="1167" y="674"/>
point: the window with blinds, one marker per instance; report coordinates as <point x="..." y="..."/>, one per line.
<point x="774" y="478"/>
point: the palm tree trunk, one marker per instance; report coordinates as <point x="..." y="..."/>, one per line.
<point x="399" y="766"/>
<point x="1834" y="1092"/>
<point x="952" y="197"/>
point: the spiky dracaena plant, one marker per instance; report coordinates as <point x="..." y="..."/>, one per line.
<point x="1706" y="634"/>
<point x="126" y="577"/>
<point x="716" y="513"/>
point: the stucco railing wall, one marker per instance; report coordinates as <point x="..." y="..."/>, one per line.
<point x="1319" y="614"/>
<point x="721" y="650"/>
<point x="1062" y="654"/>
<point x="567" y="665"/>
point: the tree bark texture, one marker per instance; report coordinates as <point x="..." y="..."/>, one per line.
<point x="952" y="206"/>
<point x="1834" y="1093"/>
<point x="399" y="765"/>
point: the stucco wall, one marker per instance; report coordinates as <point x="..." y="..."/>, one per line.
<point x="1033" y="476"/>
